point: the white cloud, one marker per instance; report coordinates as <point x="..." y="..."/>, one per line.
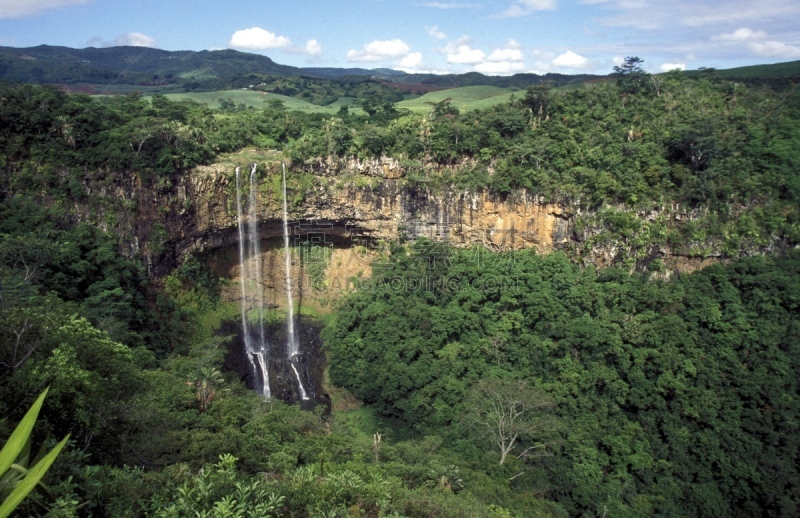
<point x="313" y="48"/>
<point x="502" y="61"/>
<point x="135" y="39"/>
<point x="618" y="60"/>
<point x="757" y="43"/>
<point x="525" y="7"/>
<point x="464" y="55"/>
<point x="654" y="14"/>
<point x="541" y="68"/>
<point x="256" y="38"/>
<point x="500" y="55"/>
<point x="740" y="35"/>
<point x="435" y="33"/>
<point x="775" y="49"/>
<point x="666" y="67"/>
<point x="500" y="68"/>
<point x="570" y="59"/>
<point x="379" y="51"/>
<point x="20" y="8"/>
<point x="411" y="63"/>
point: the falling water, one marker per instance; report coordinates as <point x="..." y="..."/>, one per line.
<point x="255" y="342"/>
<point x="292" y="346"/>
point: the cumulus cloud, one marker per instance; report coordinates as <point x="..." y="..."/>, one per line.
<point x="740" y="35"/>
<point x="500" y="68"/>
<point x="511" y="52"/>
<point x="21" y="8"/>
<point x="464" y="55"/>
<point x="757" y="43"/>
<point x="435" y="33"/>
<point x="411" y="63"/>
<point x="506" y="60"/>
<point x="506" y="55"/>
<point x="526" y="7"/>
<point x="311" y="48"/>
<point x="256" y="38"/>
<point x="570" y="59"/>
<point x="379" y="51"/>
<point x="666" y="67"/>
<point x="775" y="49"/>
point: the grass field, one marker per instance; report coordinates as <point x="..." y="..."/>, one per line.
<point x="466" y="98"/>
<point x="790" y="69"/>
<point x="254" y="99"/>
<point x="119" y="89"/>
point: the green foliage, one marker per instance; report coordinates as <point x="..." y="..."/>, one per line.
<point x="15" y="485"/>
<point x="219" y="491"/>
<point x="631" y="77"/>
<point x="671" y="397"/>
<point x="675" y="398"/>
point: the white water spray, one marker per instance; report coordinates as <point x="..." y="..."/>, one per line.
<point x="292" y="345"/>
<point x="256" y="347"/>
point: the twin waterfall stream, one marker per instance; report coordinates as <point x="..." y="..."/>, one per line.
<point x="256" y="343"/>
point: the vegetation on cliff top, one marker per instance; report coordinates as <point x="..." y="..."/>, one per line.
<point x="716" y="153"/>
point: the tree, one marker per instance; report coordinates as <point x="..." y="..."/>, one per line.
<point x="537" y="102"/>
<point x="441" y="109"/>
<point x="511" y="415"/>
<point x="630" y="75"/>
<point x="206" y="386"/>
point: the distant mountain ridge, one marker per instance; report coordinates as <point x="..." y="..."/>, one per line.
<point x="210" y="70"/>
<point x="205" y="69"/>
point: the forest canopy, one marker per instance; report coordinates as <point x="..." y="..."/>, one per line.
<point x="475" y="383"/>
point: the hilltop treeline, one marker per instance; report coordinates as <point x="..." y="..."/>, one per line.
<point x="711" y="161"/>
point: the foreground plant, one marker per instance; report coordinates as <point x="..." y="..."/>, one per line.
<point x="16" y="481"/>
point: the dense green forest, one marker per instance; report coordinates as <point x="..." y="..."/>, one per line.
<point x="671" y="398"/>
<point x="476" y="383"/>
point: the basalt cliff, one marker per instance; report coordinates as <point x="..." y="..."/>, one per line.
<point x="354" y="206"/>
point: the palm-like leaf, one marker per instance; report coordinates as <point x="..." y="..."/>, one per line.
<point x="19" y="443"/>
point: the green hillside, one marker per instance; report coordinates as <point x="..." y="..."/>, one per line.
<point x="778" y="76"/>
<point x="789" y="69"/>
<point x="251" y="98"/>
<point x="466" y="98"/>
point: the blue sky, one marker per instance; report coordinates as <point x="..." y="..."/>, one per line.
<point x="496" y="37"/>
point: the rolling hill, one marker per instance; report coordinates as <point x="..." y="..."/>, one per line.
<point x="464" y="98"/>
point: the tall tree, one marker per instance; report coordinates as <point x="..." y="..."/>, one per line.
<point x="511" y="415"/>
<point x="631" y="77"/>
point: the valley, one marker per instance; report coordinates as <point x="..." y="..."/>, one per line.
<point x="326" y="301"/>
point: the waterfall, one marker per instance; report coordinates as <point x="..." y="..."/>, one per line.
<point x="292" y="345"/>
<point x="255" y="343"/>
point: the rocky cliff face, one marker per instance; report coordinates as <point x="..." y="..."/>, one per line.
<point x="343" y="209"/>
<point x="353" y="206"/>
